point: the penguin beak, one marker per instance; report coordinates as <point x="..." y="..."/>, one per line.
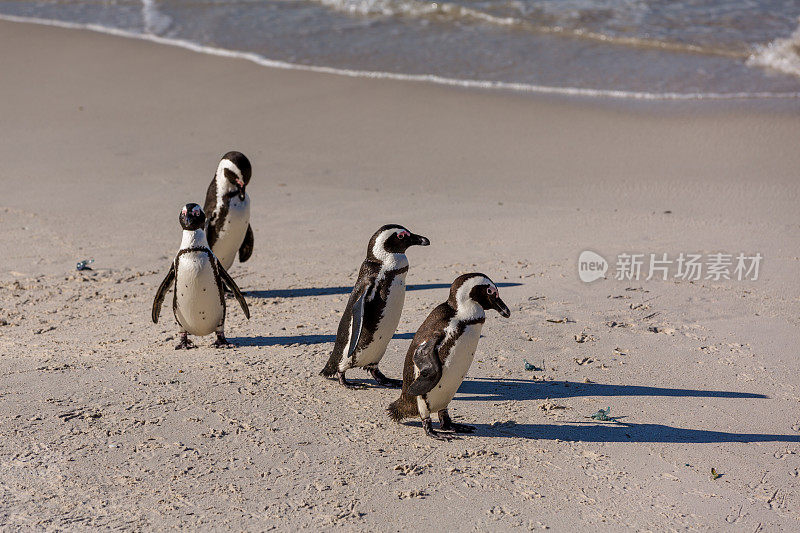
<point x="501" y="307"/>
<point x="240" y="183"/>
<point x="419" y="240"/>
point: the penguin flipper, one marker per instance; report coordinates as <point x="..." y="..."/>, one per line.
<point x="211" y="230"/>
<point x="246" y="249"/>
<point x="162" y="292"/>
<point x="211" y="197"/>
<point x="208" y="209"/>
<point x="228" y="280"/>
<point x="426" y="359"/>
<point x="356" y="323"/>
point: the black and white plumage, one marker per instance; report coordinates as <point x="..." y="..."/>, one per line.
<point x="442" y="352"/>
<point x="228" y="207"/>
<point x="373" y="310"/>
<point x="197" y="279"/>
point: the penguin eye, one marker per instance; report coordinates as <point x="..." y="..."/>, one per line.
<point x="491" y="291"/>
<point x="403" y="235"/>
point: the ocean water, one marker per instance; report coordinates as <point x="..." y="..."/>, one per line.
<point x="684" y="49"/>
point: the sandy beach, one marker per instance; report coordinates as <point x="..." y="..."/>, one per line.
<point x="104" y="425"/>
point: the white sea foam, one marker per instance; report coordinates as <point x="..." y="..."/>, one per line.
<point x="155" y="21"/>
<point x="782" y="55"/>
<point x="457" y="13"/>
<point x="428" y="78"/>
<point x="415" y="8"/>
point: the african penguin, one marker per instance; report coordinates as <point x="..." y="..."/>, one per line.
<point x="442" y="351"/>
<point x="373" y="310"/>
<point x="228" y="208"/>
<point x="197" y="277"/>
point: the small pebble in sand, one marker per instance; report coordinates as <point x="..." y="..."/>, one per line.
<point x="406" y="469"/>
<point x="408" y="494"/>
<point x="661" y="329"/>
<point x="602" y="415"/>
<point x="530" y="367"/>
<point x="84" y="265"/>
<point x="550" y="405"/>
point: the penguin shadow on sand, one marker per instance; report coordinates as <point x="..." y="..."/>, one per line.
<point x="328" y="291"/>
<point x="260" y="340"/>
<point x="499" y="389"/>
<point x="591" y="431"/>
<point x="288" y="340"/>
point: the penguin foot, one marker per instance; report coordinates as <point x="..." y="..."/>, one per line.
<point x="222" y="342"/>
<point x="427" y="425"/>
<point x="382" y="380"/>
<point x="348" y="385"/>
<point x="185" y="343"/>
<point x="446" y="424"/>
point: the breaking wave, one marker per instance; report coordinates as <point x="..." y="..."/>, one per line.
<point x="452" y="12"/>
<point x="782" y="55"/>
<point x="155" y="22"/>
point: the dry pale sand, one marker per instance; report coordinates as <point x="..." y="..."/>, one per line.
<point x="103" y="424"/>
